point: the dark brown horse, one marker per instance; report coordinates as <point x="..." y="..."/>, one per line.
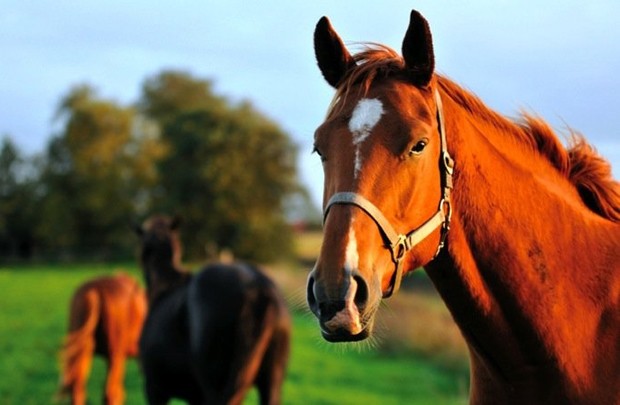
<point x="105" y="318"/>
<point x="520" y="235"/>
<point x="210" y="336"/>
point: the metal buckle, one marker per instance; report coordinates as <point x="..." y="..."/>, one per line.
<point x="399" y="249"/>
<point x="448" y="162"/>
<point x="442" y="240"/>
<point x="445" y="202"/>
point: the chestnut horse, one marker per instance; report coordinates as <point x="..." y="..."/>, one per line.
<point x="210" y="336"/>
<point x="105" y="318"/>
<point x="520" y="236"/>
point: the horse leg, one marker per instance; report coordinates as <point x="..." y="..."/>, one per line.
<point x="225" y="374"/>
<point x="154" y="393"/>
<point x="81" y="371"/>
<point x="114" y="390"/>
<point x="266" y="364"/>
<point x="273" y="369"/>
<point x="239" y="394"/>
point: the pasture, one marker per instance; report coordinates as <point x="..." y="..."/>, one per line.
<point x="418" y="358"/>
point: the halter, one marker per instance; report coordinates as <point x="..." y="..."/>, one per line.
<point x="400" y="244"/>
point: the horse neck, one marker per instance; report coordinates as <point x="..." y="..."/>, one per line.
<point x="527" y="264"/>
<point x="162" y="274"/>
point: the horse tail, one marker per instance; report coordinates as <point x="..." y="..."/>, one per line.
<point x="592" y="176"/>
<point x="79" y="345"/>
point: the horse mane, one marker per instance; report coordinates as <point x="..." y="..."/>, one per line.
<point x="579" y="163"/>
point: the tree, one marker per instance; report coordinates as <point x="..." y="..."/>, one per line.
<point x="170" y="93"/>
<point x="18" y="201"/>
<point x="228" y="172"/>
<point x="96" y="171"/>
<point x="226" y="168"/>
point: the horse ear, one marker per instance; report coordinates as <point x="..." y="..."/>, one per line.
<point x="332" y="56"/>
<point x="175" y="223"/>
<point x="418" y="50"/>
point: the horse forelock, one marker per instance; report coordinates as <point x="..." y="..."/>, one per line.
<point x="580" y="164"/>
<point x="374" y="62"/>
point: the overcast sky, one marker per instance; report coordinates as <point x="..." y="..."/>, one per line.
<point x="560" y="58"/>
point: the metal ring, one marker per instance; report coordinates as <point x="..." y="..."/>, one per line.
<point x="448" y="162"/>
<point x="445" y="202"/>
<point x="399" y="249"/>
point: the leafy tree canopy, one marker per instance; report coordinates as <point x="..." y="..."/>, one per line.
<point x="228" y="170"/>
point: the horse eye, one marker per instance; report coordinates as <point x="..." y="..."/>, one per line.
<point x="418" y="147"/>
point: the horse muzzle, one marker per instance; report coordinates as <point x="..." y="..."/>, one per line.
<point x="341" y="312"/>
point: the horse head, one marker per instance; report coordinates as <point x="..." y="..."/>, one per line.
<point x="160" y="252"/>
<point x="387" y="176"/>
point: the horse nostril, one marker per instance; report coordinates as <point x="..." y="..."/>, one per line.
<point x="361" y="294"/>
<point x="310" y="296"/>
<point x="325" y="307"/>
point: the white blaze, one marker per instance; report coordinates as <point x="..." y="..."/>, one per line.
<point x="351" y="258"/>
<point x="349" y="317"/>
<point x="366" y="115"/>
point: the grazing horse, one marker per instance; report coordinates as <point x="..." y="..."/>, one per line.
<point x="209" y="337"/>
<point x="105" y="318"/>
<point x="520" y="235"/>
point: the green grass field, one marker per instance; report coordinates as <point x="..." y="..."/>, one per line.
<point x="33" y="316"/>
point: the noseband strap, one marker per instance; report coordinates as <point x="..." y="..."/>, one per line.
<point x="399" y="244"/>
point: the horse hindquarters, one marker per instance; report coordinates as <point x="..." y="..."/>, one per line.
<point x="137" y="309"/>
<point x="79" y="346"/>
<point x="231" y="328"/>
